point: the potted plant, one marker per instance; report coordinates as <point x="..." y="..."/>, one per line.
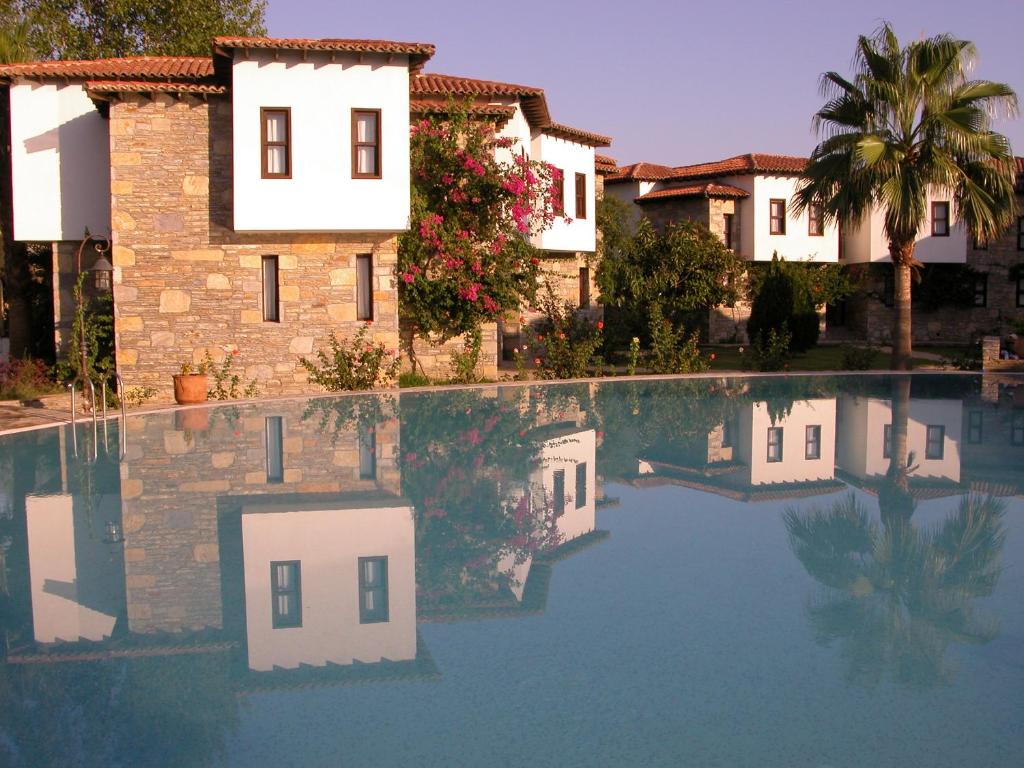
<point x="190" y="386"/>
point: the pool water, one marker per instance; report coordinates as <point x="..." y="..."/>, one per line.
<point x="775" y="571"/>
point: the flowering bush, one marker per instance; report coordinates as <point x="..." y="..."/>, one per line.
<point x="24" y="379"/>
<point x="467" y="259"/>
<point x="672" y="350"/>
<point x="357" y="365"/>
<point x="225" y="383"/>
<point x="569" y="340"/>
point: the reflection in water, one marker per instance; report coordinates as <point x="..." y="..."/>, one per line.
<point x="304" y="545"/>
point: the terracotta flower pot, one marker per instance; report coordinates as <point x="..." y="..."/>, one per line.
<point x="190" y="388"/>
<point x="192" y="419"/>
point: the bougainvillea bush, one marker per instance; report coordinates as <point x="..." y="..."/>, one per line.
<point x="466" y="258"/>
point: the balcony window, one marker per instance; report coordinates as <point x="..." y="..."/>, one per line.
<point x="815" y="220"/>
<point x="774" y="445"/>
<point x="366" y="154"/>
<point x="275" y="138"/>
<point x="286" y="594"/>
<point x="935" y="445"/>
<point x="373" y="590"/>
<point x="777" y="217"/>
<point x="812" y="442"/>
<point x="940" y="218"/>
<point x="581" y="196"/>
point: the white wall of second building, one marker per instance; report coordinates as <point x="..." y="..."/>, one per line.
<point x="794" y="466"/>
<point x="328" y="544"/>
<point x="866" y="241"/>
<point x="60" y="161"/>
<point x="758" y="243"/>
<point x="577" y="234"/>
<point x="321" y="194"/>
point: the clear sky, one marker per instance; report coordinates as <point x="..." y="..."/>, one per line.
<point x="671" y="82"/>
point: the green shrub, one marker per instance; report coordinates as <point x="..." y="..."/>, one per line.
<point x="352" y="366"/>
<point x="225" y="383"/>
<point x="770" y="352"/>
<point x="463" y="364"/>
<point x="858" y="358"/>
<point x="783" y="296"/>
<point x="569" y="340"/>
<point x="413" y="379"/>
<point x="25" y="379"/>
<point x="969" y="359"/>
<point x="672" y="350"/>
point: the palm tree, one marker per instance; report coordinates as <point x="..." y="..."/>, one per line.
<point x="895" y="596"/>
<point x="911" y="120"/>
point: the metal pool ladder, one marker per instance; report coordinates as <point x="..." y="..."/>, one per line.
<point x="122" y="431"/>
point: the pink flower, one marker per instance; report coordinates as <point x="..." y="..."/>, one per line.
<point x="408" y="277"/>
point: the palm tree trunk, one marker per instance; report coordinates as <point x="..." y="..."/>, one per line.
<point x="902" y="258"/>
<point x="894" y="499"/>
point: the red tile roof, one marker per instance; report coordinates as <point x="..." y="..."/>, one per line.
<point x="418" y="52"/>
<point x="754" y="163"/>
<point x="605" y="165"/>
<point x="535" y="105"/>
<point x="499" y="112"/>
<point x="95" y="87"/>
<point x="605" y="160"/>
<point x="1020" y="164"/>
<point x="133" y="68"/>
<point x="577" y="135"/>
<point x="641" y="172"/>
<point x="693" y="190"/>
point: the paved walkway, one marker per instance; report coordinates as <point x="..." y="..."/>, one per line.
<point x="53" y="409"/>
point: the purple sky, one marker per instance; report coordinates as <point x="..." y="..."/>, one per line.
<point x="671" y="82"/>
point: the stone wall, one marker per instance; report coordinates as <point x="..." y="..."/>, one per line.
<point x="435" y="359"/>
<point x="182" y="467"/>
<point x="186" y="283"/>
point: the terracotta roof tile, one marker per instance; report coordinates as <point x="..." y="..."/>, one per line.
<point x="133" y="68"/>
<point x="605" y="165"/>
<point x="151" y="86"/>
<point x="605" y="160"/>
<point x="641" y="172"/>
<point x="755" y="163"/>
<point x="577" y="135"/>
<point x="535" y="105"/>
<point x="418" y="52"/>
<point x="693" y="190"/>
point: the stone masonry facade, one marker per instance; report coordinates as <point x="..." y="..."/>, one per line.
<point x="186" y="283"/>
<point x="183" y="470"/>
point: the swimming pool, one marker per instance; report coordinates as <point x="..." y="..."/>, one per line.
<point x="767" y="571"/>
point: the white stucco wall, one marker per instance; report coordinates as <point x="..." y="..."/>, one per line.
<point x="866" y="241"/>
<point x="572" y="158"/>
<point x="516" y="128"/>
<point x="756" y="241"/>
<point x="60" y="158"/>
<point x="329" y="543"/>
<point x="862" y="437"/>
<point x="321" y="194"/>
<point x="752" y="443"/>
<point x="627" y="192"/>
<point x="565" y="453"/>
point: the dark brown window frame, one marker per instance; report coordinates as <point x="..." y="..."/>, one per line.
<point x="380" y="614"/>
<point x="376" y="144"/>
<point x="935" y="205"/>
<point x="292" y="620"/>
<point x="368" y="315"/>
<point x="581" y="196"/>
<point x="935" y="450"/>
<point x="812" y="442"/>
<point x="273" y="430"/>
<point x="287" y="143"/>
<point x="581" y="485"/>
<point x="772" y="218"/>
<point x="584" y="287"/>
<point x="773" y="431"/>
<point x="271" y="310"/>
<point x="558" y="492"/>
<point x="815" y="220"/>
<point x="727" y="225"/>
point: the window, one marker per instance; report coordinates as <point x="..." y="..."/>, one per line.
<point x="276" y="142"/>
<point x="558" y="492"/>
<point x="581" y="196"/>
<point x="774" y="444"/>
<point x="889" y="289"/>
<point x="367" y="453"/>
<point x="815" y="220"/>
<point x="1020" y="290"/>
<point x="558" y="182"/>
<point x="366" y="160"/>
<point x="935" y="442"/>
<point x="271" y="311"/>
<point x="974" y="427"/>
<point x="373" y="590"/>
<point x="1017" y="429"/>
<point x="1020" y="235"/>
<point x="727" y="229"/>
<point x="777" y="217"/>
<point x="981" y="291"/>
<point x="286" y="594"/>
<point x="812" y="442"/>
<point x="584" y="286"/>
<point x="274" y="429"/>
<point x="364" y="287"/>
<point x="887" y="442"/>
<point x="940" y="218"/>
<point x="581" y="485"/>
